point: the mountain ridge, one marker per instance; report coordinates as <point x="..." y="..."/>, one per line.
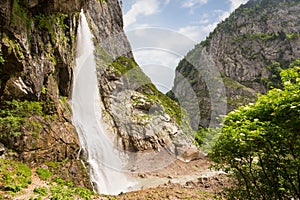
<point x="248" y="48"/>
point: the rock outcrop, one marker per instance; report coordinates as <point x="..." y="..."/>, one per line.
<point x="138" y="116"/>
<point x="248" y="50"/>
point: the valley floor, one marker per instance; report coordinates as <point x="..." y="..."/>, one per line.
<point x="193" y="180"/>
<point x="179" y="180"/>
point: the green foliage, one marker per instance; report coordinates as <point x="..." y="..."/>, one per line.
<point x="14" y="175"/>
<point x="206" y="138"/>
<point x="41" y="191"/>
<point x="51" y="24"/>
<point x="123" y="64"/>
<point x="274" y="80"/>
<point x="14" y="116"/>
<point x="232" y="83"/>
<point x="35" y="198"/>
<point x="2" y="60"/>
<point x="260" y="144"/>
<point x="14" y="47"/>
<point x="44" y="174"/>
<point x="53" y="165"/>
<point x="264" y="37"/>
<point x="64" y="190"/>
<point x="19" y="15"/>
<point x="257" y="36"/>
<point x="292" y="36"/>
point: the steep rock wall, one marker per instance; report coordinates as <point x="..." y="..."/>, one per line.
<point x="37" y="50"/>
<point x="248" y="49"/>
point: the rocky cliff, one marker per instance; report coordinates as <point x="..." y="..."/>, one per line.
<point x="248" y="50"/>
<point x="37" y="52"/>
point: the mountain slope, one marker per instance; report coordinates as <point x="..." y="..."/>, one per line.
<point x="248" y="50"/>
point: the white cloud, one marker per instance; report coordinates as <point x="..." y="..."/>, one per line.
<point x="197" y="33"/>
<point x="159" y="65"/>
<point x="221" y="14"/>
<point x="167" y="2"/>
<point x="158" y="52"/>
<point x="203" y="21"/>
<point x="191" y="3"/>
<point x="236" y="3"/>
<point x="141" y="7"/>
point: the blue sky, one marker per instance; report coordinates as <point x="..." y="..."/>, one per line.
<point x="161" y="32"/>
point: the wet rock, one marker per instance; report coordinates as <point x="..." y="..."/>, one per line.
<point x="17" y="88"/>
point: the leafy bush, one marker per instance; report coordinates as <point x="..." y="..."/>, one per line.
<point x="206" y="138"/>
<point x="260" y="144"/>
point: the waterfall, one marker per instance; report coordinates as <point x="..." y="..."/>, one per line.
<point x="105" y="164"/>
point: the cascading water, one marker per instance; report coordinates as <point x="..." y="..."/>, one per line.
<point x="104" y="162"/>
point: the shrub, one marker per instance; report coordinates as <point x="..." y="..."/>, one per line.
<point x="260" y="144"/>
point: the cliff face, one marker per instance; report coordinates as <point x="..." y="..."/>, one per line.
<point x="37" y="52"/>
<point x="249" y="49"/>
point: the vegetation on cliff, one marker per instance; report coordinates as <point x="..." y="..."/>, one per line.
<point x="17" y="116"/>
<point x="142" y="83"/>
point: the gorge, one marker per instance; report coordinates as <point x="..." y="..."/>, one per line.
<point x="79" y="115"/>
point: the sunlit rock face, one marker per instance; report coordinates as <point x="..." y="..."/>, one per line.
<point x="246" y="50"/>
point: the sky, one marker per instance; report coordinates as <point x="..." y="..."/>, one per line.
<point x="161" y="32"/>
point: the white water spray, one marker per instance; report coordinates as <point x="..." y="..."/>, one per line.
<point x="104" y="162"/>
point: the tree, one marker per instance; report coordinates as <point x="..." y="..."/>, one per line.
<point x="259" y="145"/>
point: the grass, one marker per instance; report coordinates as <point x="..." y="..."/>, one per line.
<point x="44" y="174"/>
<point x="14" y="176"/>
<point x="64" y="190"/>
<point x="40" y="191"/>
<point x="232" y="83"/>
